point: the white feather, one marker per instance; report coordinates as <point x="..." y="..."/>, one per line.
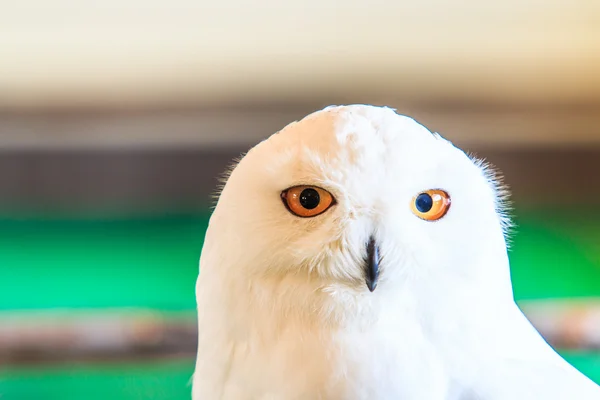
<point x="283" y="308"/>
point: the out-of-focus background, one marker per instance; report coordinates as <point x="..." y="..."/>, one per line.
<point x="116" y="117"/>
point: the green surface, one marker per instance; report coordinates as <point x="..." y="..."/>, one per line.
<point x="144" y="381"/>
<point x="94" y="263"/>
<point x="588" y="363"/>
<point x="556" y="254"/>
<point x="153" y="262"/>
<point x="167" y="380"/>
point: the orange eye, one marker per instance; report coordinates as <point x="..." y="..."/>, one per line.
<point x="307" y="201"/>
<point x="431" y="205"/>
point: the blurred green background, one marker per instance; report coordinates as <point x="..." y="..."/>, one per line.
<point x="117" y="118"/>
<point x="152" y="263"/>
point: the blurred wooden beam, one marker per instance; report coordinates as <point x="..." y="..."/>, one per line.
<point x="139" y="181"/>
<point x="475" y="126"/>
<point x="50" y="336"/>
<point x="140" y="159"/>
<point x="566" y="324"/>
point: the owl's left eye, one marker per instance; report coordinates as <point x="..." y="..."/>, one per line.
<point x="431" y="205"/>
<point x="307" y="201"/>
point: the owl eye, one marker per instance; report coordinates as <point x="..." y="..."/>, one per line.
<point x="307" y="201"/>
<point x="431" y="205"/>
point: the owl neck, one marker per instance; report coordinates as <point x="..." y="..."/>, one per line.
<point x="308" y="303"/>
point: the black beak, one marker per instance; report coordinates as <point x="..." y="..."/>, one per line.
<point x="372" y="265"/>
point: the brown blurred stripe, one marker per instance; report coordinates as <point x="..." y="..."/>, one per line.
<point x="136" y="180"/>
<point x="59" y="336"/>
<point x="87" y="335"/>
<point x="468" y="124"/>
<point x="137" y="159"/>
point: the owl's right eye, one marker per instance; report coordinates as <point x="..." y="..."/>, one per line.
<point x="307" y="201"/>
<point x="431" y="205"/>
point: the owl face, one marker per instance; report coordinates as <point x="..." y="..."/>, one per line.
<point x="364" y="198"/>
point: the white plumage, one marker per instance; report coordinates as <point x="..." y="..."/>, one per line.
<point x="284" y="311"/>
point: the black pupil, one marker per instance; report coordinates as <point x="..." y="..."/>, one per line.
<point x="309" y="199"/>
<point x="424" y="202"/>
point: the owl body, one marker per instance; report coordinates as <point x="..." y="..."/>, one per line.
<point x="356" y="255"/>
<point x="276" y="353"/>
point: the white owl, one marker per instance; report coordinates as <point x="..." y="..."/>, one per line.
<point x="355" y="255"/>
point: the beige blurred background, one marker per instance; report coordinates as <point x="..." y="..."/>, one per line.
<point x="443" y="60"/>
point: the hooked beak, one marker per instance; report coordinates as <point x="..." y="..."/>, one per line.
<point x="372" y="264"/>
